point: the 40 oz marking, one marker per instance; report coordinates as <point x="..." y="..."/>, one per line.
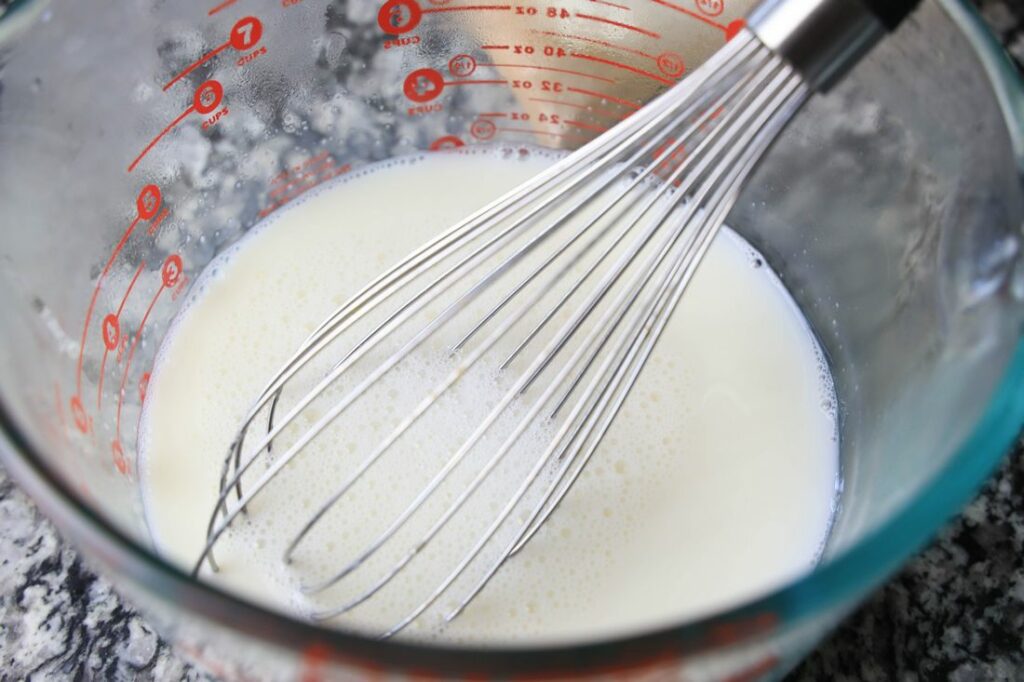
<point x="546" y="50"/>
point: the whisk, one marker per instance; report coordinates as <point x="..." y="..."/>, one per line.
<point x="587" y="260"/>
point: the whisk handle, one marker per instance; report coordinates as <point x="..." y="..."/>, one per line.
<point x="822" y="39"/>
<point x="891" y="12"/>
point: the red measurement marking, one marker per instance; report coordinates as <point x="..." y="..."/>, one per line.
<point x="483" y="129"/>
<point x="135" y="340"/>
<point x="399" y="16"/>
<point x="552" y="69"/>
<point x="131" y="285"/>
<point x="316" y="169"/>
<point x="117" y="452"/>
<point x="446" y="142"/>
<point x="535" y="132"/>
<point x="733" y="29"/>
<point x="158" y="221"/>
<point x="603" y="95"/>
<point x="196" y="64"/>
<point x="468" y="8"/>
<point x="82" y="421"/>
<point x="147" y="203"/>
<point x="611" y="4"/>
<point x="696" y="15"/>
<point x="528" y="130"/>
<point x="207" y="97"/>
<point x="424" y="109"/>
<point x="287" y="173"/>
<point x="671" y="64"/>
<point x="423" y="85"/>
<point x="585" y="126"/>
<point x="95" y="294"/>
<point x="628" y="27"/>
<point x="107" y="349"/>
<point x="712" y="8"/>
<point x="331" y="172"/>
<point x="669" y="161"/>
<point x="603" y="43"/>
<point x="314" y="662"/>
<point x="171" y="271"/>
<point x="494" y="47"/>
<point x="246" y="32"/>
<point x="222" y="6"/>
<point x="143" y="387"/>
<point x="112" y="333"/>
<point x="494" y="82"/>
<point x="583" y="107"/>
<point x="624" y="67"/>
<point x="156" y="139"/>
<point x="494" y="114"/>
<point x="462" y="65"/>
<point x="312" y="164"/>
<point x="398" y="42"/>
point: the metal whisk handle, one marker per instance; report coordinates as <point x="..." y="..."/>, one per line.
<point x="822" y="39"/>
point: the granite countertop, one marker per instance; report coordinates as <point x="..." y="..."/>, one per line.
<point x="956" y="612"/>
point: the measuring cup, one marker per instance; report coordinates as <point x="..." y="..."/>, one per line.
<point x="140" y="139"/>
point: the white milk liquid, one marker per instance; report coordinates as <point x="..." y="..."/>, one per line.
<point x="716" y="483"/>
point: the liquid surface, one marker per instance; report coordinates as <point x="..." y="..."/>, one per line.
<point x="715" y="484"/>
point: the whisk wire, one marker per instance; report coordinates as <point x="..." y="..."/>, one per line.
<point x="418" y="261"/>
<point x="794" y="98"/>
<point x="700" y="140"/>
<point x="705" y="160"/>
<point x="395" y="320"/>
<point x="412" y="306"/>
<point x="614" y="317"/>
<point x="601" y="332"/>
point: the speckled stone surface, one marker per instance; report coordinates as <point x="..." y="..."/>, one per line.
<point x="956" y="612"/>
<point x="58" y="620"/>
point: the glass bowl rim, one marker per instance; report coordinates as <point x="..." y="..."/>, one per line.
<point x="832" y="585"/>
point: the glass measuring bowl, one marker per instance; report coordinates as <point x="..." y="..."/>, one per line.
<point x="139" y="140"/>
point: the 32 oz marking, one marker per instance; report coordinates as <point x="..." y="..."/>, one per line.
<point x="543" y="86"/>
